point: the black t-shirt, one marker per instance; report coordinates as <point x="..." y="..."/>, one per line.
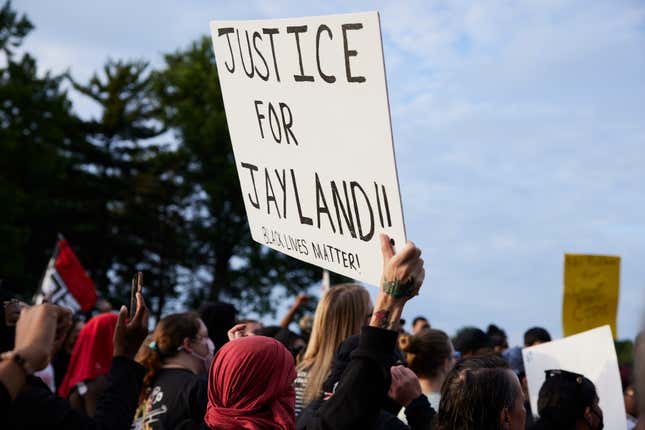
<point x="177" y="399"/>
<point x="36" y="407"/>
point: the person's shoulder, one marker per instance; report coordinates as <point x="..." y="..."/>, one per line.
<point x="195" y="394"/>
<point x="196" y="388"/>
<point x="175" y="372"/>
<point x="174" y="377"/>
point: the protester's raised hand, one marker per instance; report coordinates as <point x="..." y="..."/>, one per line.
<point x="402" y="276"/>
<point x="403" y="272"/>
<point x="37" y="329"/>
<point x="301" y="300"/>
<point x="405" y="385"/>
<point x="238" y="331"/>
<point x="12" y="310"/>
<point x="129" y="335"/>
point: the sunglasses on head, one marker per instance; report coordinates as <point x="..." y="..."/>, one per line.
<point x="570" y="376"/>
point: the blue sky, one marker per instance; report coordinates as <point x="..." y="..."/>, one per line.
<point x="519" y="130"/>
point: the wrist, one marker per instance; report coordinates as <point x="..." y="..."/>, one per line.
<point x="19" y="360"/>
<point x="386" y="316"/>
<point x="384" y="301"/>
<point x="415" y="395"/>
<point x="12" y="376"/>
<point x="417" y="401"/>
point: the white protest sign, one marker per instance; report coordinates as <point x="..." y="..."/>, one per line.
<point x="592" y="354"/>
<point x="307" y="109"/>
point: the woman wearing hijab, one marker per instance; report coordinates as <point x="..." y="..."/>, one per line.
<point x="90" y="362"/>
<point x="251" y="386"/>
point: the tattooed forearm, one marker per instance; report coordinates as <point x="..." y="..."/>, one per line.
<point x="383" y="319"/>
<point x="398" y="289"/>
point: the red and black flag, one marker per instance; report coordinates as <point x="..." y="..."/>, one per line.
<point x="65" y="282"/>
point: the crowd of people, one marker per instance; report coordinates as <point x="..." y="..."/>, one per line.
<point x="351" y="366"/>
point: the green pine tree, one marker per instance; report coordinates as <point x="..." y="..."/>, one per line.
<point x="238" y="268"/>
<point x="37" y="128"/>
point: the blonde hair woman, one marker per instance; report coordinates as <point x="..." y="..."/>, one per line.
<point x="341" y="313"/>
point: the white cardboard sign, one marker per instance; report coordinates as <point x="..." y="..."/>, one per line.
<point x="592" y="354"/>
<point x="307" y="109"/>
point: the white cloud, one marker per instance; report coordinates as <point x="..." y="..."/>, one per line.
<point x="518" y="127"/>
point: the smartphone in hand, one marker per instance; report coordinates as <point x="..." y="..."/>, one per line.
<point x="137" y="282"/>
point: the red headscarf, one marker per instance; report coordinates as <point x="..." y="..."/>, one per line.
<point x="251" y="386"/>
<point x="92" y="355"/>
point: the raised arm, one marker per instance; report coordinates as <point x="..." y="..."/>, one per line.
<point x="288" y="318"/>
<point x="357" y="401"/>
<point x="403" y="274"/>
<point x="37" y="330"/>
<point x="38" y="407"/>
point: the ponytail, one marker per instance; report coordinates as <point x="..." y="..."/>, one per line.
<point x="149" y="357"/>
<point x="426" y="352"/>
<point x="164" y="343"/>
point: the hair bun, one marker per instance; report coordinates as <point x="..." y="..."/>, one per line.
<point x="407" y="344"/>
<point x="404" y="342"/>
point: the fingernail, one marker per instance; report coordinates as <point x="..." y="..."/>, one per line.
<point x="391" y="241"/>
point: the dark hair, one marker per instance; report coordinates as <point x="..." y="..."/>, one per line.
<point x="218" y="318"/>
<point x="164" y="342"/>
<point x="536" y="334"/>
<point x="426" y="351"/>
<point x="639" y="371"/>
<point x="417" y="319"/>
<point x="497" y="336"/>
<point x="470" y="340"/>
<point x="474" y="394"/>
<point x="247" y="321"/>
<point x="282" y="335"/>
<point x="563" y="398"/>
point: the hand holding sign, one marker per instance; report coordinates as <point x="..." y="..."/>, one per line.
<point x="307" y="112"/>
<point x="403" y="274"/>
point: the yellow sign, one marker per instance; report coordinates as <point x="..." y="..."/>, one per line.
<point x="591" y="284"/>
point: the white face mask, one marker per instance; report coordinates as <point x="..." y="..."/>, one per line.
<point x="208" y="358"/>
